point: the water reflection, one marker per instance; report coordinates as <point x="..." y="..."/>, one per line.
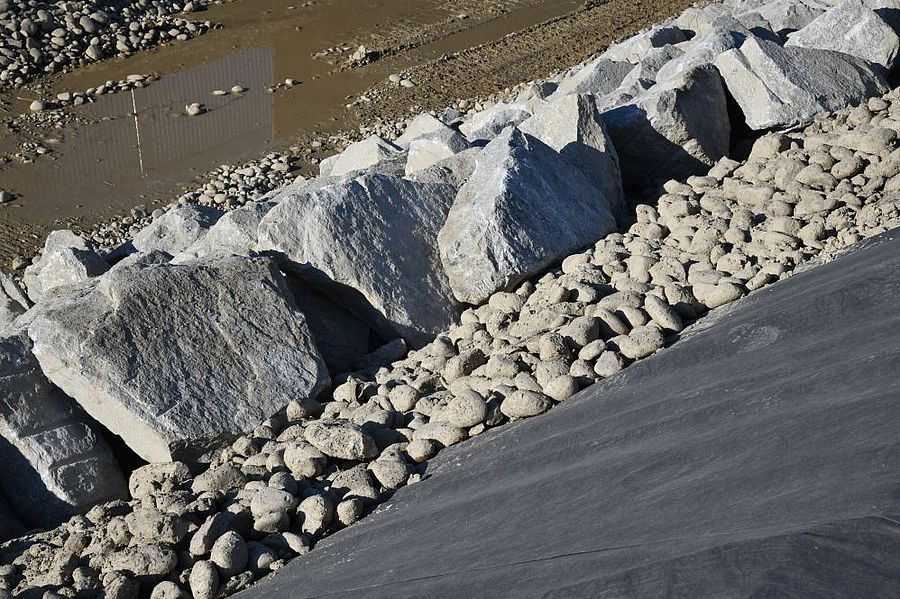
<point x="94" y="164"/>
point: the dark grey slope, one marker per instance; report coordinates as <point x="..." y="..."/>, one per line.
<point x="757" y="458"/>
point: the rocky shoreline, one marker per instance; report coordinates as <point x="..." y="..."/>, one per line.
<point x="500" y="246"/>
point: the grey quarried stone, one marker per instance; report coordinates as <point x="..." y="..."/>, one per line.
<point x="177" y="229"/>
<point x="371" y="244"/>
<point x="523" y="208"/>
<point x="178" y="358"/>
<point x="673" y="129"/>
<point x="359" y="156"/>
<point x="572" y="126"/>
<point x="422" y="125"/>
<point x="635" y="48"/>
<point x="234" y="233"/>
<point x="783" y="87"/>
<point x="66" y="259"/>
<point x="782" y="16"/>
<point x="53" y="461"/>
<point x="852" y="28"/>
<point x="724" y="34"/>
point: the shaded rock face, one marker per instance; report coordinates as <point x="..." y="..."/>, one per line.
<point x="523" y="208"/>
<point x="340" y="336"/>
<point x="370" y="244"/>
<point x="13" y="301"/>
<point x="572" y="126"/>
<point x="66" y="259"/>
<point x="178" y="358"/>
<point x="177" y="229"/>
<point x="53" y="462"/>
<point x="783" y="87"/>
<point x="673" y="129"/>
<point x="851" y="28"/>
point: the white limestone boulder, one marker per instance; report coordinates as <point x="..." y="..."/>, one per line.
<point x="523" y="208"/>
<point x="784" y="87"/>
<point x="673" y="129"/>
<point x="177" y="229"/>
<point x="370" y="244"/>
<point x="234" y="233"/>
<point x="572" y="126"/>
<point x="431" y="148"/>
<point x="852" y="28"/>
<point x="66" y="259"/>
<point x="176" y="359"/>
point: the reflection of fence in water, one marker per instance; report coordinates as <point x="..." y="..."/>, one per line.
<point x="166" y="140"/>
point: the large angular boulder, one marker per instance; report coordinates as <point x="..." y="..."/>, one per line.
<point x="370" y="243"/>
<point x="66" y="259"/>
<point x="522" y="209"/>
<point x="599" y="77"/>
<point x="177" y="229"/>
<point x="784" y="87"/>
<point x="176" y="359"/>
<point x="572" y="126"/>
<point x="234" y="233"/>
<point x="852" y="28"/>
<point x="13" y="301"/>
<point x="673" y="129"/>
<point x="359" y="156"/>
<point x="53" y="461"/>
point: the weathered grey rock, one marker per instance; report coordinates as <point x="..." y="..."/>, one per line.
<point x="783" y="87"/>
<point x="177" y="229"/>
<point x="149" y="525"/>
<point x="233" y="233"/>
<point x="53" y="461"/>
<point x="157" y="478"/>
<point x="572" y="126"/>
<point x="599" y="77"/>
<point x="204" y="580"/>
<point x="852" y="28"/>
<point x="340" y="439"/>
<point x="229" y="553"/>
<point x="673" y="129"/>
<point x="359" y="156"/>
<point x="453" y="171"/>
<point x="355" y="239"/>
<point x="175" y="358"/>
<point x="523" y="208"/>
<point x="427" y="150"/>
<point x="66" y="259"/>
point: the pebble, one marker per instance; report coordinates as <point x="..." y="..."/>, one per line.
<point x="194" y="109"/>
<point x="204" y="580"/>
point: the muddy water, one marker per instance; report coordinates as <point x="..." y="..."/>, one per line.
<point x="141" y="146"/>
